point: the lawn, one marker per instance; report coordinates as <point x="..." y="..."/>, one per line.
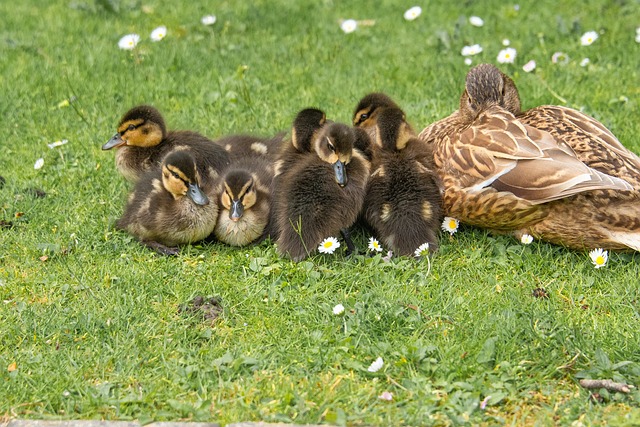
<point x="93" y="325"/>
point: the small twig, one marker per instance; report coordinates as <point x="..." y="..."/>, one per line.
<point x="607" y="384"/>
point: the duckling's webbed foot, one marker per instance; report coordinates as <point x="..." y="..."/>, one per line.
<point x="162" y="249"/>
<point x="346" y="235"/>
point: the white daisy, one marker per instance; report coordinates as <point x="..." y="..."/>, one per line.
<point x="506" y="42"/>
<point x="526" y="239"/>
<point x="374" y="245"/>
<point x="57" y="144"/>
<point x="476" y="21"/>
<point x="507" y="56"/>
<point x="529" y="66"/>
<point x="588" y="38"/>
<point x="129" y="41"/>
<point x="599" y="257"/>
<point x="386" y="395"/>
<point x="450" y="225"/>
<point x="349" y="26"/>
<point x="560" y="58"/>
<point x="468" y="61"/>
<point x="39" y="164"/>
<point x="423" y="250"/>
<point x="328" y="245"/>
<point x="471" y="50"/>
<point x="159" y="33"/>
<point x="208" y="19"/>
<point x="413" y="13"/>
<point x="585" y="62"/>
<point x="376" y="365"/>
<point x="638" y="38"/>
<point x="338" y="309"/>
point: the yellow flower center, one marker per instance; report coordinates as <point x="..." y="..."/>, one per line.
<point x="452" y="224"/>
<point x="328" y="244"/>
<point x="600" y="260"/>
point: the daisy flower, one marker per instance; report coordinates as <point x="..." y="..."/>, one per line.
<point x="159" y="33"/>
<point x="208" y="19"/>
<point x="450" y="225"/>
<point x="476" y="21"/>
<point x="526" y="239"/>
<point x="57" y="143"/>
<point x="374" y="245"/>
<point x="560" y="58"/>
<point x="506" y="42"/>
<point x="385" y="395"/>
<point x="129" y="41"/>
<point x="471" y="50"/>
<point x="423" y="250"/>
<point x="413" y="13"/>
<point x="39" y="164"/>
<point x="388" y="257"/>
<point x="599" y="257"/>
<point x="349" y="26"/>
<point x="585" y="62"/>
<point x="376" y="365"/>
<point x="507" y="56"/>
<point x="328" y="245"/>
<point x="338" y="309"/>
<point x="638" y="38"/>
<point x="588" y="38"/>
<point x="468" y="61"/>
<point x="529" y="66"/>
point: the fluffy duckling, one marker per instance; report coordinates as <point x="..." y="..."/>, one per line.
<point x="501" y="173"/>
<point x="322" y="193"/>
<point x="142" y="141"/>
<point x="245" y="201"/>
<point x="241" y="146"/>
<point x="403" y="202"/>
<point x="168" y="207"/>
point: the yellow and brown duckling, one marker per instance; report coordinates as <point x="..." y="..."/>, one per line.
<point x="502" y="173"/>
<point x="245" y="201"/>
<point x="142" y="141"/>
<point x="169" y="207"/>
<point x="365" y="115"/>
<point x="403" y="202"/>
<point x="322" y="193"/>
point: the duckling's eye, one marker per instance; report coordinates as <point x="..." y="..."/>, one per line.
<point x="363" y="117"/>
<point x="330" y="145"/>
<point x="131" y="127"/>
<point x="175" y="175"/>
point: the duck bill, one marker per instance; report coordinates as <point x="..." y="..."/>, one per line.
<point x="236" y="211"/>
<point x="196" y="194"/>
<point x="340" y="172"/>
<point x="115" y="141"/>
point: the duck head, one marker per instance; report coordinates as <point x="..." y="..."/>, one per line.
<point x="486" y="86"/>
<point x="180" y="177"/>
<point x="334" y="145"/>
<point x="240" y="193"/>
<point x="142" y="126"/>
<point x="305" y="125"/>
<point x="366" y="113"/>
<point x="393" y="132"/>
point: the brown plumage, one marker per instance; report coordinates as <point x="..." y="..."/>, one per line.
<point x="244" y="194"/>
<point x="321" y="194"/>
<point x="241" y="146"/>
<point x="168" y="207"/>
<point x="544" y="173"/>
<point x="403" y="202"/>
<point x="365" y="115"/>
<point x="142" y="141"/>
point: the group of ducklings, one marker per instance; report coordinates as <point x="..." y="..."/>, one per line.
<point x="550" y="172"/>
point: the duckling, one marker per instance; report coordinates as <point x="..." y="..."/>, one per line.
<point x="245" y="201"/>
<point x="168" y="206"/>
<point x="501" y="173"/>
<point x="305" y="126"/>
<point x="403" y="202"/>
<point x="322" y="193"/>
<point x="241" y="146"/>
<point x="142" y="141"/>
<point x="366" y="112"/>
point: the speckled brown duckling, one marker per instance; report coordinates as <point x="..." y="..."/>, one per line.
<point x="142" y="141"/>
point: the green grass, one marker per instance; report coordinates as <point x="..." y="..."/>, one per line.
<point x="96" y="331"/>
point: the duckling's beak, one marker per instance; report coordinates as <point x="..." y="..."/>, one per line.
<point x="196" y="194"/>
<point x="115" y="141"/>
<point x="236" y="211"/>
<point x="341" y="173"/>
